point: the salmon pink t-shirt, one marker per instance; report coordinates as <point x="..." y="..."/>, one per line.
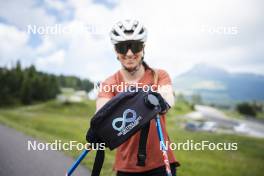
<point x="126" y="155"/>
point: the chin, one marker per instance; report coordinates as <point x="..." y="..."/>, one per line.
<point x="131" y="68"/>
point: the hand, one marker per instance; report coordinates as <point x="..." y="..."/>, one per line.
<point x="164" y="106"/>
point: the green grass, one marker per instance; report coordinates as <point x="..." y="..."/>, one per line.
<point x="53" y="121"/>
<point x="260" y="115"/>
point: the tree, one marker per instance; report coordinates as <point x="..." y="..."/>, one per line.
<point x="28" y="85"/>
<point x="5" y="98"/>
<point x="87" y="85"/>
<point x="246" y="109"/>
<point x="26" y="91"/>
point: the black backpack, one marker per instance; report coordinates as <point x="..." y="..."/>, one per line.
<point x="119" y="119"/>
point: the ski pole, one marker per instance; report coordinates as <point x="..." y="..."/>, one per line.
<point x="77" y="162"/>
<point x="163" y="147"/>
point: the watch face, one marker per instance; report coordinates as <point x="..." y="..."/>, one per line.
<point x="153" y="100"/>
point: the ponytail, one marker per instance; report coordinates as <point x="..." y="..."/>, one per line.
<point x="154" y="73"/>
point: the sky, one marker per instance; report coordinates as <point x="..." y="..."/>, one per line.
<point x="71" y="37"/>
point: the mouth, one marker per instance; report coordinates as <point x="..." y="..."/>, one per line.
<point x="131" y="63"/>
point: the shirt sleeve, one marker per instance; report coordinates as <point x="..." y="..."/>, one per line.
<point x="165" y="88"/>
<point x="164" y="78"/>
<point x="106" y="88"/>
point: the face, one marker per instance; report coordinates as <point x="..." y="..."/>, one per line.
<point x="129" y="59"/>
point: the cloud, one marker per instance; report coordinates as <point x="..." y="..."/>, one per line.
<point x="62" y="10"/>
<point x="13" y="44"/>
<point x="180" y="34"/>
<point x="23" y="13"/>
<point x="55" y="59"/>
<point x="47" y="46"/>
<point x="177" y="38"/>
<point x="58" y="5"/>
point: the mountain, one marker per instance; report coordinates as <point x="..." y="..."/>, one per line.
<point x="216" y="85"/>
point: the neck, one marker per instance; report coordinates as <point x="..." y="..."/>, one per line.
<point x="132" y="78"/>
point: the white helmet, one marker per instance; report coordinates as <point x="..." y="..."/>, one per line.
<point x="128" y="30"/>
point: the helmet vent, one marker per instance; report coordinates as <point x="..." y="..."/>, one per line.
<point x="115" y="33"/>
<point x="128" y="31"/>
<point x="141" y="31"/>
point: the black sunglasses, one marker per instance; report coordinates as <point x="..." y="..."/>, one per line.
<point x="123" y="47"/>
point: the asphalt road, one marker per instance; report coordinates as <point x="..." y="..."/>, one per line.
<point x="248" y="127"/>
<point x="16" y="160"/>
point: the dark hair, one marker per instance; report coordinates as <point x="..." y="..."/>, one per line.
<point x="147" y="67"/>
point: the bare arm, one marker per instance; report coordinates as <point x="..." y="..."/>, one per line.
<point x="166" y="92"/>
<point x="100" y="102"/>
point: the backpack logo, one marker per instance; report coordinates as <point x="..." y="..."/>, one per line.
<point x="127" y="118"/>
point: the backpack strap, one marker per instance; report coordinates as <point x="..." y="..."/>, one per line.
<point x="98" y="163"/>
<point x="142" y="154"/>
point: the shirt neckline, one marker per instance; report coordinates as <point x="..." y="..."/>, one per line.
<point x="121" y="79"/>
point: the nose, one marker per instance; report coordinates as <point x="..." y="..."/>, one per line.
<point x="129" y="53"/>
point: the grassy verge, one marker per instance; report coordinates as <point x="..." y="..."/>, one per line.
<point x="260" y="115"/>
<point x="53" y="121"/>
